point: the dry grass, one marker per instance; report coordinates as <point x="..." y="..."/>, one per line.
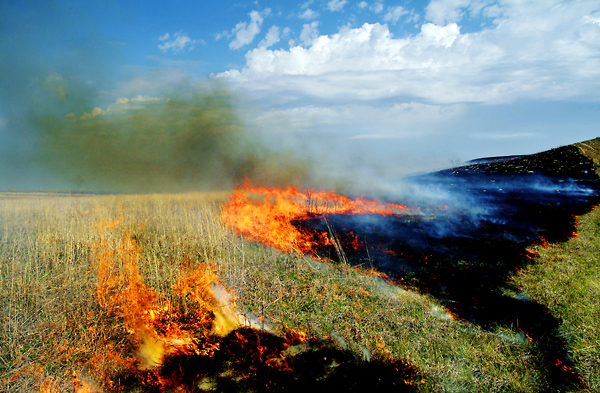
<point x="52" y="326"/>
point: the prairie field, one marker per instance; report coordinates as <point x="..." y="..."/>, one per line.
<point x="56" y="334"/>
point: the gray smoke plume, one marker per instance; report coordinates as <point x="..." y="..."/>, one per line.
<point x="64" y="127"/>
<point x="192" y="141"/>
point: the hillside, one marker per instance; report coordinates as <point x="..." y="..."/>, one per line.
<point x="578" y="161"/>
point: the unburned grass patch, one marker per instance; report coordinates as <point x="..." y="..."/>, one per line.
<point x="565" y="278"/>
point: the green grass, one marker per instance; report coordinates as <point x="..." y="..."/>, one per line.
<point x="566" y="278"/>
<point x="51" y="324"/>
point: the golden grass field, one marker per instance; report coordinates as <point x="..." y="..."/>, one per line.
<point x="55" y="336"/>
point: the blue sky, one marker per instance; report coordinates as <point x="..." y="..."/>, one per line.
<point x="414" y="85"/>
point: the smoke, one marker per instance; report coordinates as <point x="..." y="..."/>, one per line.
<point x="180" y="142"/>
<point x="72" y="118"/>
<point x="190" y="138"/>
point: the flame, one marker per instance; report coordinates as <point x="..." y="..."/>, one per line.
<point x="163" y="334"/>
<point x="172" y="343"/>
<point x="542" y="242"/>
<point x="530" y="254"/>
<point x="80" y="385"/>
<point x="156" y="326"/>
<point x="271" y="221"/>
<point x="49" y="385"/>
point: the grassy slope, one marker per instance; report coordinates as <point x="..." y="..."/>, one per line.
<point x="566" y="278"/>
<point x="591" y="149"/>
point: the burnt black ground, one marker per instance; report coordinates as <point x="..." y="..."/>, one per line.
<point x="491" y="212"/>
<point x="250" y="360"/>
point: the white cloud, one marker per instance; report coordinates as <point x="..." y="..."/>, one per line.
<point x="367" y="84"/>
<point x="367" y="121"/>
<point x="336" y="5"/>
<point x="363" y="5"/>
<point x="309" y="33"/>
<point x="444" y="11"/>
<point x="364" y="63"/>
<point x="377" y="7"/>
<point x="177" y="43"/>
<point x="394" y="14"/>
<point x="271" y="38"/>
<point x="308" y="14"/>
<point x="593" y="18"/>
<point x="440" y="35"/>
<point x="121" y="105"/>
<point x="245" y="32"/>
<point x="548" y="52"/>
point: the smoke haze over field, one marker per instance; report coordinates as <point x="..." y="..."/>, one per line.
<point x="180" y="143"/>
<point x="191" y="139"/>
<point x="122" y="96"/>
<point x="68" y="123"/>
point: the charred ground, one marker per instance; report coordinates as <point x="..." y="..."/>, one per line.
<point x="476" y="230"/>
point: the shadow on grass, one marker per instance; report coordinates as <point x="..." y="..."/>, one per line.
<point x="249" y="360"/>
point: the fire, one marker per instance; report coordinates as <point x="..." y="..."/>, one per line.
<point x="158" y="344"/>
<point x="530" y="254"/>
<point x="163" y="333"/>
<point x="156" y="326"/>
<point x="271" y="220"/>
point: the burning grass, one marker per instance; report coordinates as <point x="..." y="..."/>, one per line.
<point x="58" y="333"/>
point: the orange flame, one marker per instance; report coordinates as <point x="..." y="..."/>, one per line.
<point x="530" y="254"/>
<point x="156" y="327"/>
<point x="271" y="221"/>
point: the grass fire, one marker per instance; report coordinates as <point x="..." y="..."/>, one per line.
<point x="489" y="288"/>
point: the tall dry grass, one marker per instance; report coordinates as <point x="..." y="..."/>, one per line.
<point x="52" y="329"/>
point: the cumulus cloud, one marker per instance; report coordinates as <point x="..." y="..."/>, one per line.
<point x="336" y="5"/>
<point x="245" y="32"/>
<point x="120" y="106"/>
<point x="373" y="87"/>
<point x="364" y="62"/>
<point x="394" y="14"/>
<point x="550" y="52"/>
<point x="308" y="14"/>
<point x="441" y="12"/>
<point x="177" y="42"/>
<point x="271" y="38"/>
<point x="310" y="33"/>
